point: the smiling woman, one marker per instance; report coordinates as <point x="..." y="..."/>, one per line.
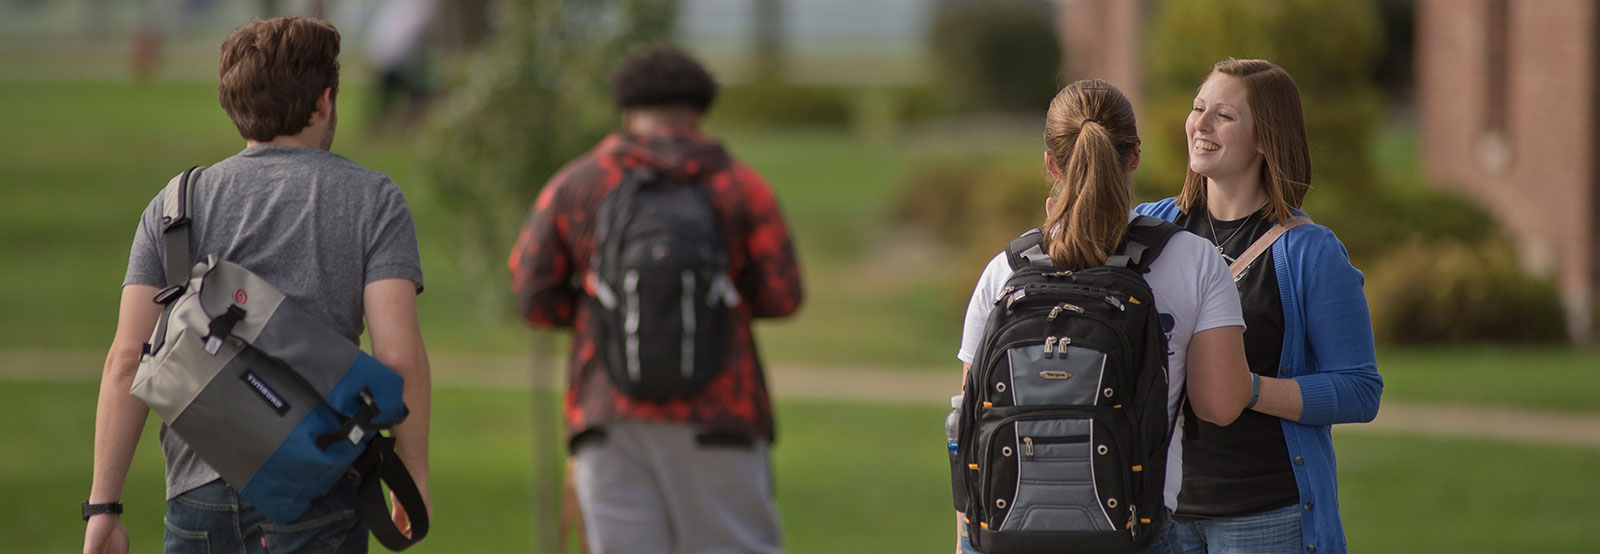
<point x="1265" y="483"/>
<point x="1222" y="141"/>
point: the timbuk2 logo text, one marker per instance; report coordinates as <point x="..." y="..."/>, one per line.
<point x="256" y="384"/>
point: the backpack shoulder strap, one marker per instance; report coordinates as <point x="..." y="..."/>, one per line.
<point x="175" y="220"/>
<point x="1146" y="237"/>
<point x="614" y="209"/>
<point x="1028" y="250"/>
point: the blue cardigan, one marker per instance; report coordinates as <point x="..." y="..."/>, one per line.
<point x="1327" y="348"/>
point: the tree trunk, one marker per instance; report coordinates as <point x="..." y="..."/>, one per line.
<point x="769" y="40"/>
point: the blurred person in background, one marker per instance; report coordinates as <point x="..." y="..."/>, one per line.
<point x="688" y="473"/>
<point x="397" y="47"/>
<point x="1267" y="482"/>
<point x="1092" y="150"/>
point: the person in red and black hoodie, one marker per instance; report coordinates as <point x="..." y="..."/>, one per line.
<point x="686" y="475"/>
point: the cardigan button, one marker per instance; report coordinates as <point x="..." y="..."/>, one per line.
<point x="1299" y="461"/>
<point x="1283" y="371"/>
<point x="1308" y="505"/>
<point x="1311" y="548"/>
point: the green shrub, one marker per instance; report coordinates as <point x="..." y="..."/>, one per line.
<point x="1452" y="292"/>
<point x="777" y="103"/>
<point x="774" y="103"/>
<point x="962" y="201"/>
<point x="1394" y="214"/>
<point x="996" y="55"/>
<point x="972" y="207"/>
<point x="1331" y="47"/>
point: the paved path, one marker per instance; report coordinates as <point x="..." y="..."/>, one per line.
<point x="919" y="387"/>
<point x="1461" y="420"/>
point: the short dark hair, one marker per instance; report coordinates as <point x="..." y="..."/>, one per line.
<point x="273" y="71"/>
<point x="660" y="76"/>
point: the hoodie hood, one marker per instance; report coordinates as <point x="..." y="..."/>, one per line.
<point x="687" y="156"/>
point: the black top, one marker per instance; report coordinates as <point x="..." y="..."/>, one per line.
<point x="1243" y="468"/>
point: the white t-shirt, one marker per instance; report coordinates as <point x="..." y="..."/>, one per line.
<point x="1191" y="285"/>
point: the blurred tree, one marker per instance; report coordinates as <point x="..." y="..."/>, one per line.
<point x="768" y="40"/>
<point x="532" y="98"/>
<point x="996" y="55"/>
<point x="462" y="23"/>
<point x="1395" y="71"/>
<point x="1331" y="47"/>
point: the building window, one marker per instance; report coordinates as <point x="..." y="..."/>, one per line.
<point x="1494" y="144"/>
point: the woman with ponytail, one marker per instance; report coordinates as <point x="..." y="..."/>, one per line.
<point x="1091" y="150"/>
<point x="1266" y="483"/>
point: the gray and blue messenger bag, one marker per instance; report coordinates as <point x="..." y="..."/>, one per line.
<point x="272" y="398"/>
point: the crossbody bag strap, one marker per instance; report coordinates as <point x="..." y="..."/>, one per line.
<point x="1261" y="244"/>
<point x="175" y="222"/>
<point x="175" y="238"/>
<point x="380" y="463"/>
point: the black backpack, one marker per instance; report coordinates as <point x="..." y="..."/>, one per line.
<point x="1064" y="431"/>
<point x="662" y="297"/>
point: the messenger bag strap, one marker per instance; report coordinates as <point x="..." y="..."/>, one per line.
<point x="1261" y="244"/>
<point x="175" y="225"/>
<point x="380" y="463"/>
<point x="175" y="236"/>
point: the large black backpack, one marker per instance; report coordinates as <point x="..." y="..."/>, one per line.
<point x="662" y="297"/>
<point x="1064" y="431"/>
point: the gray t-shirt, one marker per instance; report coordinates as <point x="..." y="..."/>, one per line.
<point x="315" y="225"/>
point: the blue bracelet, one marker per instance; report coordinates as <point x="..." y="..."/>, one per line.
<point x="1255" y="390"/>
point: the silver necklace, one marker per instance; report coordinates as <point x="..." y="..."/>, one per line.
<point x="1211" y="222"/>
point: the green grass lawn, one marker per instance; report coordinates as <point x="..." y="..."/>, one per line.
<point x="1538" y="378"/>
<point x="81" y="159"/>
<point x="84" y="159"/>
<point x="850" y="478"/>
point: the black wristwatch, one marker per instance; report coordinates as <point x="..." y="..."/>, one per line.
<point x="97" y="509"/>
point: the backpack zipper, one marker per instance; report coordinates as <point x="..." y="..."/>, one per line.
<point x="686" y="305"/>
<point x="1028" y="442"/>
<point x="1056" y="311"/>
<point x="630" y="287"/>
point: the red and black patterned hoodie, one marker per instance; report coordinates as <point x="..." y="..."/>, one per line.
<point x="553" y="251"/>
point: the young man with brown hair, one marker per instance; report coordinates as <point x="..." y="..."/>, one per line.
<point x="660" y="471"/>
<point x="337" y="239"/>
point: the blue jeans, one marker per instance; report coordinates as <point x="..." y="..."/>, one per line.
<point x="1270" y="532"/>
<point x="212" y="519"/>
<point x="963" y="543"/>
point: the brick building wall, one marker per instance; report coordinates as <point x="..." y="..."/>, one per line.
<point x="1101" y="39"/>
<point x="1507" y="113"/>
<point x="1508" y="108"/>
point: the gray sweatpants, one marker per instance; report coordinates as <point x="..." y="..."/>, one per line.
<point x="649" y="488"/>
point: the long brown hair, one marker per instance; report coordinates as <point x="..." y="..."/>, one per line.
<point x="1280" y="129"/>
<point x="1089" y="133"/>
